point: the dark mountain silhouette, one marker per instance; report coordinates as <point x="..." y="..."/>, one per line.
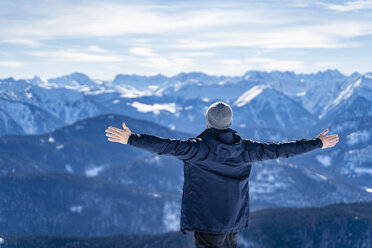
<point x="333" y="226"/>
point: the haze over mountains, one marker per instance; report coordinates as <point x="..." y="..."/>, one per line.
<point x="53" y="151"/>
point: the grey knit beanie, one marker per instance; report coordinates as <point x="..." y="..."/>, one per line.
<point x="219" y="115"/>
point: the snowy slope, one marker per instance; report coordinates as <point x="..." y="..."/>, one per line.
<point x="263" y="106"/>
<point x="40" y="108"/>
<point x="353" y="101"/>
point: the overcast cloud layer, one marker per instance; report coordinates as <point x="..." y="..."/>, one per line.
<point x="104" y="38"/>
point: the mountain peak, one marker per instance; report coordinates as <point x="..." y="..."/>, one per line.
<point x="9" y="79"/>
<point x="368" y="75"/>
<point x="330" y="73"/>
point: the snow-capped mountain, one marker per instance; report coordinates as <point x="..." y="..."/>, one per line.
<point x="38" y="108"/>
<point x="355" y="100"/>
<point x="263" y="106"/>
<point x="173" y="101"/>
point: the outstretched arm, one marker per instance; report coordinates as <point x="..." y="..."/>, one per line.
<point x="259" y="151"/>
<point x="162" y="146"/>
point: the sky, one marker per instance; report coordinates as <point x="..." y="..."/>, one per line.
<point x="106" y="38"/>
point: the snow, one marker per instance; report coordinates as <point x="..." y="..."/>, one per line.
<point x="267" y="181"/>
<point x="69" y="168"/>
<point x="28" y="95"/>
<point x="171" y="216"/>
<point x="188" y="107"/>
<point x="324" y="178"/>
<point x="368" y="75"/>
<point x="369" y="190"/>
<point x="23" y="115"/>
<point x="242" y="125"/>
<point x="153" y="87"/>
<point x="59" y="147"/>
<point x="131" y="92"/>
<point x="1" y="241"/>
<point x="172" y="127"/>
<point x="100" y="91"/>
<point x="357" y="137"/>
<point x="142" y="107"/>
<point x="79" y="127"/>
<point x="115" y="101"/>
<point x="301" y="93"/>
<point x="99" y="82"/>
<point x="345" y="94"/>
<point x="358" y="161"/>
<point x="76" y="209"/>
<point x="155" y="160"/>
<point x="249" y="95"/>
<point x="266" y="188"/>
<point x="277" y="117"/>
<point x="325" y="160"/>
<point x="363" y="170"/>
<point x="51" y="139"/>
<point x="205" y="99"/>
<point x="246" y="243"/>
<point x="94" y="171"/>
<point x="177" y="86"/>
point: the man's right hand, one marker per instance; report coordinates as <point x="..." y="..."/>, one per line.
<point x="328" y="141"/>
<point x="118" y="135"/>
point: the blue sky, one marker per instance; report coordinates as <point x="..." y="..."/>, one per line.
<point x="105" y="38"/>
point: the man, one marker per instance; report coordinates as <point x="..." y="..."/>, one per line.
<point x="217" y="164"/>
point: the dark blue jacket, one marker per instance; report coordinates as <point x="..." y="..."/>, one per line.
<point x="217" y="164"/>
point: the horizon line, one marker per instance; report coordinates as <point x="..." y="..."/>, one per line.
<point x="190" y="72"/>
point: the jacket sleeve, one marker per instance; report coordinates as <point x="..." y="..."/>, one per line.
<point x="259" y="151"/>
<point x="164" y="146"/>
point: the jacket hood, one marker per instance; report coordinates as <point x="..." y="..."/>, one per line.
<point x="224" y="142"/>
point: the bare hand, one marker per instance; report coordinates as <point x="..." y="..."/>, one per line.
<point x="328" y="141"/>
<point x="118" y="135"/>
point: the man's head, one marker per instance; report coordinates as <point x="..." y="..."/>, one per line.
<point x="219" y="115"/>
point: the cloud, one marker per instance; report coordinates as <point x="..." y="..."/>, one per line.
<point x="189" y="26"/>
<point x="350" y="6"/>
<point x="334" y="34"/>
<point x="96" y="49"/>
<point x="273" y="64"/>
<point x="22" y="41"/>
<point x="160" y="63"/>
<point x="169" y="37"/>
<point x="142" y="51"/>
<point x="260" y="63"/>
<point x="11" y="64"/>
<point x="76" y="56"/>
<point x="113" y="19"/>
<point x="327" y="64"/>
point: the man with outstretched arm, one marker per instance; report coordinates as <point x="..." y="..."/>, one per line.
<point x="217" y="164"/>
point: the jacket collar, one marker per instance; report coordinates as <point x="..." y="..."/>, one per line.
<point x="213" y="130"/>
